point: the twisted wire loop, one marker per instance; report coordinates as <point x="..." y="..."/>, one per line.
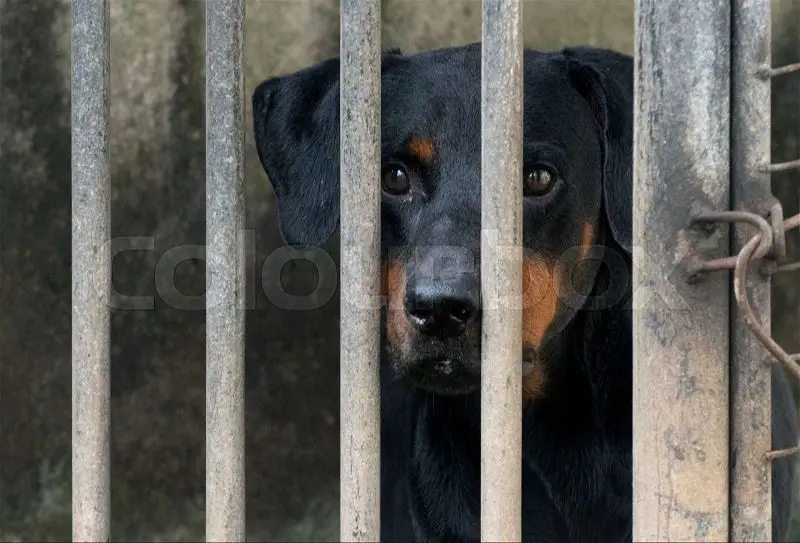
<point x="768" y="245"/>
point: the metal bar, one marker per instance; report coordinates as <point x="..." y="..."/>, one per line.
<point x="225" y="272"/>
<point x="781" y="166"/>
<point x="91" y="270"/>
<point x="783" y="70"/>
<point x="774" y="455"/>
<point x="750" y="362"/>
<point x="681" y="156"/>
<point x="501" y="270"/>
<point x="360" y="165"/>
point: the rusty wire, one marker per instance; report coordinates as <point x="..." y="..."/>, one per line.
<point x="768" y="243"/>
<point x="782" y="166"/>
<point x="765" y="239"/>
<point x="768" y="72"/>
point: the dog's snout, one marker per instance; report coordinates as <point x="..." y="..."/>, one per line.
<point x="443" y="308"/>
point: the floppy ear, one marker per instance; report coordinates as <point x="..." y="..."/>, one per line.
<point x="296" y="126"/>
<point x="605" y="80"/>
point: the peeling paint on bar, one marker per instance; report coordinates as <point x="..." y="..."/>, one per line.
<point x="501" y="271"/>
<point x="225" y="279"/>
<point x="91" y="270"/>
<point x="360" y="163"/>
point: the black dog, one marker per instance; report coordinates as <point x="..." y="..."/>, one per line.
<point x="576" y="323"/>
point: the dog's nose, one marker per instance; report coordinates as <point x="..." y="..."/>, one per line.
<point x="443" y="308"/>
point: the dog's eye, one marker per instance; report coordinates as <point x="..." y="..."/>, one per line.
<point x="538" y="181"/>
<point x="395" y="180"/>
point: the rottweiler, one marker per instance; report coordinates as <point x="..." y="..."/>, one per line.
<point x="577" y="336"/>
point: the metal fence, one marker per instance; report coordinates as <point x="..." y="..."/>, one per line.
<point x="702" y="118"/>
<point x="702" y="391"/>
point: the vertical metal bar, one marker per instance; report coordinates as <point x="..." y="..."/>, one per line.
<point x="751" y="386"/>
<point x="681" y="159"/>
<point x="501" y="270"/>
<point x="225" y="276"/>
<point x="360" y="162"/>
<point x="91" y="270"/>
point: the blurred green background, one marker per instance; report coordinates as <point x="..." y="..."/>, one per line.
<point x="158" y="184"/>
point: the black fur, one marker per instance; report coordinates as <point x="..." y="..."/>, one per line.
<point x="577" y="434"/>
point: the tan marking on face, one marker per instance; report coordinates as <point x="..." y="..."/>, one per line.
<point x="421" y="148"/>
<point x="540" y="294"/>
<point x="398" y="330"/>
<point x="533" y="384"/>
<point x="586" y="239"/>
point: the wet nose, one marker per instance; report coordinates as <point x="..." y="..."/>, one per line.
<point x="443" y="308"/>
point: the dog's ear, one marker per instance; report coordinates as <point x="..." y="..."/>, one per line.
<point x="605" y="80"/>
<point x="296" y="126"/>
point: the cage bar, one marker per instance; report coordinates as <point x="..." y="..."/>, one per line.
<point x="751" y="386"/>
<point x="91" y="270"/>
<point x="501" y="270"/>
<point x="680" y="330"/>
<point x="781" y="166"/>
<point x="360" y="165"/>
<point x="225" y="272"/>
<point x="783" y="70"/>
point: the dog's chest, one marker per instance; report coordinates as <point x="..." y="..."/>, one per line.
<point x="443" y="500"/>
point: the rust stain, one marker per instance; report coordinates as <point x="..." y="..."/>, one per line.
<point x="421" y="148"/>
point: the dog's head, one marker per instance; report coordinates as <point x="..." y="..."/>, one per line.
<point x="576" y="181"/>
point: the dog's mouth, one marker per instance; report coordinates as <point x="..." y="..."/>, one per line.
<point x="443" y="375"/>
<point x="453" y="376"/>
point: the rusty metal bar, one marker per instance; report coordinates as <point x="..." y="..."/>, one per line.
<point x="91" y="270"/>
<point x="768" y="72"/>
<point x="680" y="330"/>
<point x="781" y="166"/>
<point x="501" y="270"/>
<point x="750" y="362"/>
<point x="360" y="165"/>
<point x="225" y="272"/>
<point x="774" y="455"/>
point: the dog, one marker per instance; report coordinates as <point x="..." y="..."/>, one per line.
<point x="577" y="334"/>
